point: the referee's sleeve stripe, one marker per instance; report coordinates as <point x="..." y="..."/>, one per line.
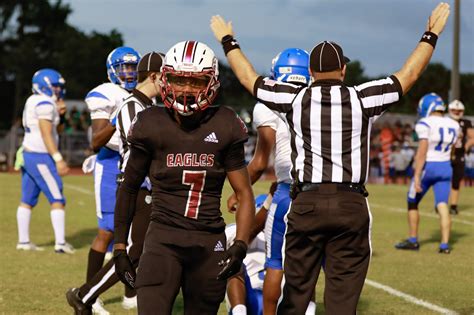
<point x="379" y="87"/>
<point x="257" y="84"/>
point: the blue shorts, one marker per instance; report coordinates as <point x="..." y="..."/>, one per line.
<point x="39" y="174"/>
<point x="105" y="185"/>
<point x="254" y="298"/>
<point x="275" y="227"/>
<point x="106" y="222"/>
<point x="436" y="174"/>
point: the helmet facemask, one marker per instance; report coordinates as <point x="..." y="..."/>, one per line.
<point x="188" y="92"/>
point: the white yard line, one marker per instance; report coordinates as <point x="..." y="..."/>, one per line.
<point x="410" y="298"/>
<point x="79" y="189"/>
<point x="429" y="215"/>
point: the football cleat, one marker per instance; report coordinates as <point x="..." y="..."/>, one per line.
<point x="446" y="250"/>
<point x="406" y="244"/>
<point x="65" y="248"/>
<point x="129" y="303"/>
<point x="453" y="211"/>
<point x="98" y="308"/>
<point x="28" y="246"/>
<point x="73" y="299"/>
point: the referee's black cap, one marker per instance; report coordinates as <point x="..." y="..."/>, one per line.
<point x="151" y="62"/>
<point x="327" y="56"/>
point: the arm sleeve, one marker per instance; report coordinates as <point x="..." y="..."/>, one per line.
<point x="100" y="106"/>
<point x="278" y="96"/>
<point x="378" y="95"/>
<point x="135" y="173"/>
<point x="45" y="110"/>
<point x="264" y="117"/>
<point x="422" y="130"/>
<point x="136" y="134"/>
<point x="235" y="156"/>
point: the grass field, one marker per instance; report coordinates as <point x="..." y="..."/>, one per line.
<point x="398" y="282"/>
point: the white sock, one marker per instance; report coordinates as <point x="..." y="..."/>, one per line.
<point x="58" y="221"/>
<point x="311" y="310"/>
<point x="23" y="217"/>
<point x="239" y="309"/>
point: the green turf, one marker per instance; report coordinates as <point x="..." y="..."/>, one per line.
<point x="35" y="282"/>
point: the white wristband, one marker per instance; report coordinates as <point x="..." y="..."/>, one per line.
<point x="268" y="202"/>
<point x="57" y="157"/>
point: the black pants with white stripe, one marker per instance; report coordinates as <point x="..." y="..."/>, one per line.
<point x="106" y="276"/>
<point x="327" y="227"/>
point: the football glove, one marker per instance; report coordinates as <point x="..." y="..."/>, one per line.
<point x="232" y="261"/>
<point x="124" y="268"/>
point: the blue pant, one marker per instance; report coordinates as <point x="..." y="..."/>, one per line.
<point x="436" y="174"/>
<point x="39" y="174"/>
<point x="275" y="227"/>
<point x="105" y="184"/>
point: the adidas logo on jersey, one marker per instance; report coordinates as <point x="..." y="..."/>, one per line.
<point x="219" y="247"/>
<point x="211" y="138"/>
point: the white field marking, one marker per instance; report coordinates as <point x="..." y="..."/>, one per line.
<point x="79" y="189"/>
<point x="429" y="215"/>
<point x="410" y="298"/>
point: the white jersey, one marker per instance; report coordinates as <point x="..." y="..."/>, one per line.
<point x="103" y="103"/>
<point x="255" y="259"/>
<point x="39" y="107"/>
<point x="441" y="133"/>
<point x="265" y="117"/>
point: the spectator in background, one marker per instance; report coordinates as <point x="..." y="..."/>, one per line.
<point x="399" y="162"/>
<point x="386" y="139"/>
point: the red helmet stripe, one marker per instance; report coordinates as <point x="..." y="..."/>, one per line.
<point x="189" y="51"/>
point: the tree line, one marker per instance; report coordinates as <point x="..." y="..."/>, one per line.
<point x="36" y="34"/>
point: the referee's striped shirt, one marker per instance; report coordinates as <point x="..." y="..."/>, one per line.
<point x="330" y="124"/>
<point x="135" y="103"/>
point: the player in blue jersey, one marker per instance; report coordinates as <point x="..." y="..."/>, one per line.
<point x="43" y="163"/>
<point x="103" y="102"/>
<point x="437" y="134"/>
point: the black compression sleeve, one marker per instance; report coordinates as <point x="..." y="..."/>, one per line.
<point x="137" y="168"/>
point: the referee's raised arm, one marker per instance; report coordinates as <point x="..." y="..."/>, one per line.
<point x="420" y="57"/>
<point x="240" y="65"/>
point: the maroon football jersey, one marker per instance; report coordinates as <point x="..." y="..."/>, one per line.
<point x="188" y="168"/>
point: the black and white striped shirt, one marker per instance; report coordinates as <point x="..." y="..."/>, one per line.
<point x="135" y="103"/>
<point x="330" y="124"/>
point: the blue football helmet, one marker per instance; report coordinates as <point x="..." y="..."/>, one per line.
<point x="429" y="103"/>
<point x="122" y="67"/>
<point x="49" y="82"/>
<point x="292" y="66"/>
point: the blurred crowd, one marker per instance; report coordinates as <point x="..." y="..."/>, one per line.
<point x="77" y="120"/>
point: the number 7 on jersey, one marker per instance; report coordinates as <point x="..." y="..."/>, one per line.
<point x="197" y="180"/>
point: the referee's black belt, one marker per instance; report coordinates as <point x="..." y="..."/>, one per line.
<point x="334" y="187"/>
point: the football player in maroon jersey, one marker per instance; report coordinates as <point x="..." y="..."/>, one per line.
<point x="187" y="149"/>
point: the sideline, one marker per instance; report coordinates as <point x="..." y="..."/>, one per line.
<point x="410" y="298"/>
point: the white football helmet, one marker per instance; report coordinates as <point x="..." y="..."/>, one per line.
<point x="456" y="109"/>
<point x="189" y="59"/>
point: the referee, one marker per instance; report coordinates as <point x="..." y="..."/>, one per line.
<point x="81" y="299"/>
<point x="330" y="127"/>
